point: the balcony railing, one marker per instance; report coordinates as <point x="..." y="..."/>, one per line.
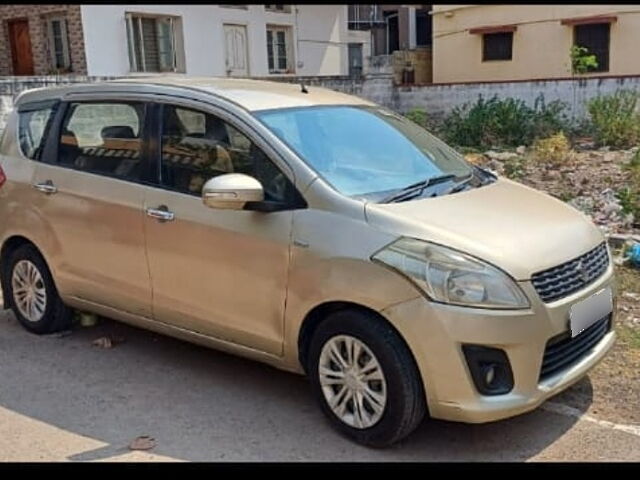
<point x="364" y="17"/>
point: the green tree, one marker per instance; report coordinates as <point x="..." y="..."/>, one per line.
<point x="581" y="60"/>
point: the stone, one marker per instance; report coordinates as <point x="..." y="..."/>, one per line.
<point x="612" y="207"/>
<point x="610" y="156"/>
<point x="502" y="156"/>
<point x="521" y="150"/>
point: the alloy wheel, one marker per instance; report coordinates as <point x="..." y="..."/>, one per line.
<point x="352" y="381"/>
<point x="29" y="292"/>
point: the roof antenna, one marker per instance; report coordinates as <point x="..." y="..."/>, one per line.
<point x="303" y="89"/>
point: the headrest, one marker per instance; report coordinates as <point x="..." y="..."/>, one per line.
<point x="118" y="131"/>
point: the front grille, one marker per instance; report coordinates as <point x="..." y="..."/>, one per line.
<point x="563" y="351"/>
<point x="563" y="280"/>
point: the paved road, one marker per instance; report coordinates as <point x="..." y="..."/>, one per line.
<point x="63" y="399"/>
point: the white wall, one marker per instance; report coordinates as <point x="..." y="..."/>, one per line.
<point x="319" y="37"/>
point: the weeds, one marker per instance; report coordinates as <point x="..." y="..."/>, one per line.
<point x="514" y="168"/>
<point x="554" y="149"/>
<point x="417" y="115"/>
<point x="503" y="123"/>
<point x="629" y="196"/>
<point x="615" y="118"/>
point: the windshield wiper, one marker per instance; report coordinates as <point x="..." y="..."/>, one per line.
<point x="417" y="188"/>
<point x="459" y="186"/>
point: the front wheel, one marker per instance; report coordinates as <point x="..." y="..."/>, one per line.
<point x="365" y="379"/>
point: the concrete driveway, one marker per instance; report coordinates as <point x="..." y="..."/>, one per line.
<point x="61" y="398"/>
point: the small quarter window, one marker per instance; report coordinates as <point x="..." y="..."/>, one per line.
<point x="31" y="129"/>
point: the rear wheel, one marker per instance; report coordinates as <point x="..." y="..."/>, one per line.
<point x="365" y="378"/>
<point x="32" y="294"/>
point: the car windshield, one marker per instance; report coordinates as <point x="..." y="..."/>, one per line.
<point x="364" y="151"/>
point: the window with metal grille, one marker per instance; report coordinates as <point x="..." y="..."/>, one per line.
<point x="153" y="43"/>
<point x="497" y="46"/>
<point x="424" y="26"/>
<point x="278" y="49"/>
<point x="595" y="38"/>
<point x="58" y="43"/>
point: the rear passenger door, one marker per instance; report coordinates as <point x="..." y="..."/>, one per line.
<point x="91" y="198"/>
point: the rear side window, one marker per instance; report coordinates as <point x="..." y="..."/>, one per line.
<point x="31" y="131"/>
<point x="103" y="138"/>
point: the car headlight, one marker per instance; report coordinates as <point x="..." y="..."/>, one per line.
<point x="449" y="276"/>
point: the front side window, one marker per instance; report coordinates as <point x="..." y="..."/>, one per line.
<point x="278" y="49"/>
<point x="31" y="129"/>
<point x="58" y="44"/>
<point x="198" y="146"/>
<point x="153" y="43"/>
<point x="103" y="138"/>
<point x="363" y="150"/>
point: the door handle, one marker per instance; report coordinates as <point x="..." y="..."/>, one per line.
<point x="46" y="187"/>
<point x="162" y="214"/>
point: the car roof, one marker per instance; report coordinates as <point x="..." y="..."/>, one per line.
<point x="248" y="93"/>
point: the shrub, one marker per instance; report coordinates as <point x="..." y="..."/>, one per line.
<point x="514" y="168"/>
<point x="555" y="149"/>
<point x="615" y="118"/>
<point x="581" y="60"/>
<point x="503" y="123"/>
<point x="629" y="201"/>
<point x="549" y="118"/>
<point x="629" y="196"/>
<point x="417" y="115"/>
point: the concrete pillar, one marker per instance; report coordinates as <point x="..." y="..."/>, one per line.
<point x="412" y="28"/>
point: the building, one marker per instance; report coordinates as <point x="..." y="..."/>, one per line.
<point x="480" y="43"/>
<point x="393" y="27"/>
<point x="233" y="40"/>
<point x="403" y="33"/>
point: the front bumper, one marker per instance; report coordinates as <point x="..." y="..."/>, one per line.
<point x="435" y="333"/>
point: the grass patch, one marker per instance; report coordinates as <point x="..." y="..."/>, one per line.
<point x="628" y="279"/>
<point x="628" y="335"/>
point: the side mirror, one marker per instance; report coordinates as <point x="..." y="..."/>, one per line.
<point x="231" y="191"/>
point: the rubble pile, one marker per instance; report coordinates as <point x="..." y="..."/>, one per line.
<point x="587" y="179"/>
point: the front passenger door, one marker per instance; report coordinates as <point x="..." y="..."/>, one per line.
<point x="219" y="272"/>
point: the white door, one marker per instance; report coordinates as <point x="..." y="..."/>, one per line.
<point x="235" y="37"/>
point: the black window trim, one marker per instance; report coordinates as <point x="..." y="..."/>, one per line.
<point x="26" y="107"/>
<point x="155" y="125"/>
<point x="50" y="152"/>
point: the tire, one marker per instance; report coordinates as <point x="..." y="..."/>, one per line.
<point x="50" y="314"/>
<point x="404" y="407"/>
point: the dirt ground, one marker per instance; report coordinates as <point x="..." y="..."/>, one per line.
<point x="613" y="391"/>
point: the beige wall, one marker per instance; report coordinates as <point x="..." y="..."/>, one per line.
<point x="541" y="43"/>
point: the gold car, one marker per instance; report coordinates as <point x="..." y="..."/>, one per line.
<point x="304" y="228"/>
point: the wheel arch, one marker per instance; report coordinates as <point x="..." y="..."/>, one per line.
<point x="320" y="312"/>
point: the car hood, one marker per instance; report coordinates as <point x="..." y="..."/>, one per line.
<point x="514" y="227"/>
